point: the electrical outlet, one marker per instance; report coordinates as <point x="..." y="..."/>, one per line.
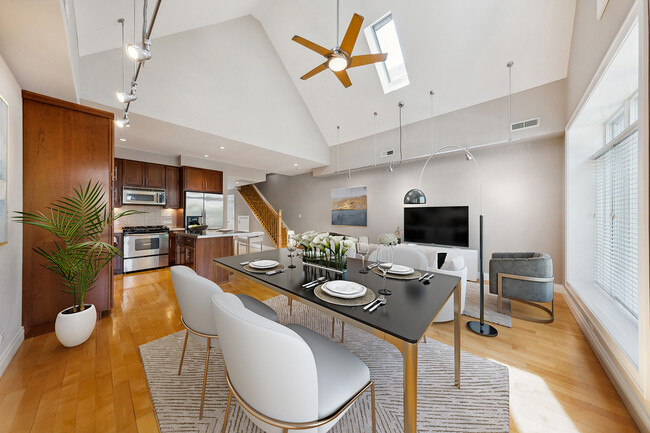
<point x="386" y="153"/>
<point x="2" y="336"/>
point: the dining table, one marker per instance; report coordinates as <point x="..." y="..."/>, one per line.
<point x="402" y="321"/>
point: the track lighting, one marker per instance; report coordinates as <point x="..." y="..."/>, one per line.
<point x="123" y="122"/>
<point x="137" y="53"/>
<point x="125" y="98"/>
<point x="468" y="156"/>
<point x="390" y="167"/>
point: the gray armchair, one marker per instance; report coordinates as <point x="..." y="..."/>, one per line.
<point x="524" y="277"/>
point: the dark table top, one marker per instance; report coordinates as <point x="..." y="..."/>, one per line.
<point x="408" y="313"/>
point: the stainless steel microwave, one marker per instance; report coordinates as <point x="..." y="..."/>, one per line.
<point x="155" y="197"/>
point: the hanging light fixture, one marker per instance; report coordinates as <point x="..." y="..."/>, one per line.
<point x="138" y="53"/>
<point x="122" y="96"/>
<point x="124" y="121"/>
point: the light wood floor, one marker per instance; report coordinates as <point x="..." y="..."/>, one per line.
<point x="557" y="385"/>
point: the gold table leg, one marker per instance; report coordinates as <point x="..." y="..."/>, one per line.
<point x="410" y="355"/>
<point x="457" y="295"/>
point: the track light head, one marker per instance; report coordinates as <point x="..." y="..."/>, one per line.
<point x="390" y="167"/>
<point x="123" y="122"/>
<point x="468" y="156"/>
<point x="125" y="98"/>
<point x="137" y="53"/>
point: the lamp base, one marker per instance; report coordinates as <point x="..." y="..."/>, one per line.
<point x="484" y="330"/>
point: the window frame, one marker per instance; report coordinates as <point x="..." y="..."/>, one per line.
<point x="388" y="84"/>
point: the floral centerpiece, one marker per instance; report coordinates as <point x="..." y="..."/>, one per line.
<point x="325" y="249"/>
<point x="387" y="239"/>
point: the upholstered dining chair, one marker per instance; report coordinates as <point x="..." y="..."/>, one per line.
<point x="194" y="294"/>
<point x="525" y="277"/>
<point x="405" y="256"/>
<point x="286" y="377"/>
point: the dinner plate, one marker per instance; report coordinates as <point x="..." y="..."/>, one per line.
<point x="344" y="289"/>
<point x="263" y="264"/>
<point x="400" y="270"/>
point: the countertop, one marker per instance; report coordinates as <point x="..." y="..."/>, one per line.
<point x="218" y="234"/>
<point x="171" y="229"/>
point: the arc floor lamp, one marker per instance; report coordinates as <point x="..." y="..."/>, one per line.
<point x="416" y="196"/>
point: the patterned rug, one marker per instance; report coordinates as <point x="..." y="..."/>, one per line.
<point x="480" y="406"/>
<point x="491" y="313"/>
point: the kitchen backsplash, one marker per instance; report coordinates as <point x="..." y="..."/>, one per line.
<point x="154" y="216"/>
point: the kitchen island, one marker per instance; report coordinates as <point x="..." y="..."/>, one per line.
<point x="198" y="251"/>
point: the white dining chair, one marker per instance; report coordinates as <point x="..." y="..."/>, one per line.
<point x="286" y="377"/>
<point x="405" y="256"/>
<point x="194" y="294"/>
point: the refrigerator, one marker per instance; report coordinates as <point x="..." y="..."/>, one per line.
<point x="204" y="208"/>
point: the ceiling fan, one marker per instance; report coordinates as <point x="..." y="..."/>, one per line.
<point x="340" y="59"/>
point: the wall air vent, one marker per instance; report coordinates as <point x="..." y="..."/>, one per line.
<point x="386" y="153"/>
<point x="525" y="124"/>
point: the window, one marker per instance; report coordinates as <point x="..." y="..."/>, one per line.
<point x="382" y="38"/>
<point x="616" y="125"/>
<point x="617" y="223"/>
<point x="634" y="108"/>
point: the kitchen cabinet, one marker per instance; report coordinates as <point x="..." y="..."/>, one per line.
<point x="142" y="174"/>
<point x="172" y="248"/>
<point x="118" y="261"/>
<point x="185" y="250"/>
<point x="64" y="145"/>
<point x="201" y="180"/>
<point x="197" y="252"/>
<point x="172" y="187"/>
<point x="117" y="183"/>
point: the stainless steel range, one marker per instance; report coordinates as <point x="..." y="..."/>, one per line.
<point x="145" y="247"/>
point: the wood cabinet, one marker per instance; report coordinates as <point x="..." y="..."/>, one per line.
<point x="172" y="187"/>
<point x="172" y="248"/>
<point x="64" y="145"/>
<point x="198" y="253"/>
<point x="118" y="261"/>
<point x="202" y="180"/>
<point x="143" y="174"/>
<point x="117" y="183"/>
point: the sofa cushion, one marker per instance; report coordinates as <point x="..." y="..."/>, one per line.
<point x="454" y="264"/>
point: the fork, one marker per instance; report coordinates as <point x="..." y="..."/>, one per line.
<point x="379" y="299"/>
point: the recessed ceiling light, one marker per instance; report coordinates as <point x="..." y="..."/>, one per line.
<point x="236" y="183"/>
<point x="206" y="155"/>
<point x="122" y="139"/>
<point x="295" y="165"/>
<point x="221" y="147"/>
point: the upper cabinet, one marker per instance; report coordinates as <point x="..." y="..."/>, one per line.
<point x="173" y="187"/>
<point x="201" y="180"/>
<point x="143" y="174"/>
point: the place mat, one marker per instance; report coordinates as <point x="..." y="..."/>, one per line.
<point x="263" y="271"/>
<point x="363" y="300"/>
<point x="414" y="276"/>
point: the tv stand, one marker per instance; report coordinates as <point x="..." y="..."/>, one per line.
<point x="470" y="256"/>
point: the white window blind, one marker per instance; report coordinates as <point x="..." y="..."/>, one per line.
<point x="617" y="223"/>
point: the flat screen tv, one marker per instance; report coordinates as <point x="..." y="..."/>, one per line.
<point x="441" y="225"/>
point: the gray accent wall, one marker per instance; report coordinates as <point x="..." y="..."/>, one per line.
<point x="523" y="196"/>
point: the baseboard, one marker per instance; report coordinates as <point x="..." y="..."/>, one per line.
<point x="7" y="356"/>
<point x="625" y="386"/>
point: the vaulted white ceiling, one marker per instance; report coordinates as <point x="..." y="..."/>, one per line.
<point x="229" y="72"/>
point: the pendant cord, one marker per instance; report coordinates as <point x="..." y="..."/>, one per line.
<point x="337" y="23"/>
<point x="338" y="150"/>
<point x="375" y="139"/>
<point x="134" y="39"/>
<point x="144" y="22"/>
<point x="121" y="21"/>
<point x="509" y="65"/>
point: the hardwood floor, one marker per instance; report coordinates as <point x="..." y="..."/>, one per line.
<point x="557" y="384"/>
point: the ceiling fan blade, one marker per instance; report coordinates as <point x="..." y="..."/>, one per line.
<point x="367" y="59"/>
<point x="312" y="46"/>
<point x="316" y="70"/>
<point x="352" y="33"/>
<point x="343" y="77"/>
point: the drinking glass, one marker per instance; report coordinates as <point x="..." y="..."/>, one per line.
<point x="363" y="248"/>
<point x="292" y="244"/>
<point x="385" y="260"/>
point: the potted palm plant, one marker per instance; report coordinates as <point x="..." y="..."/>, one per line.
<point x="78" y="221"/>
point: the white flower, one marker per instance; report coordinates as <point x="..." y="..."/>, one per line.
<point x="387" y="239"/>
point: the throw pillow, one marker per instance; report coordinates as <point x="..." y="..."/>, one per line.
<point x="455" y="264"/>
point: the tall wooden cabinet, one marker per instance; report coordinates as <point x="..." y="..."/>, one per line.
<point x="64" y="145"/>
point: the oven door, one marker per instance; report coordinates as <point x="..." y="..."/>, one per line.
<point x="145" y="244"/>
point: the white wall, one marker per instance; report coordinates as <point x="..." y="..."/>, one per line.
<point x="523" y="195"/>
<point x="11" y="257"/>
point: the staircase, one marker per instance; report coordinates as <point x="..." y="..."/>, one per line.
<point x="266" y="215"/>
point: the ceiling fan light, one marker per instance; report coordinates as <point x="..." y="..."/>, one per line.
<point x="337" y="63"/>
<point x="125" y="98"/>
<point x="137" y="53"/>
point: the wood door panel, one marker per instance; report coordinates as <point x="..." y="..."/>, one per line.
<point x="64" y="145"/>
<point x="172" y="187"/>
<point x="213" y="181"/>
<point x="134" y="173"/>
<point x="117" y="183"/>
<point x="193" y="179"/>
<point x="155" y="176"/>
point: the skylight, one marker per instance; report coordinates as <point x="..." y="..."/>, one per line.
<point x="382" y="38"/>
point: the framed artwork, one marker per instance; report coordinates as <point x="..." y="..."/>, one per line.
<point x="4" y="144"/>
<point x="350" y="206"/>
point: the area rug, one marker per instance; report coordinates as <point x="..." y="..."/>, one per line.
<point x="481" y="405"/>
<point x="491" y="312"/>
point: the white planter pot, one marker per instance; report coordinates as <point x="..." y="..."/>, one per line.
<point x="72" y="329"/>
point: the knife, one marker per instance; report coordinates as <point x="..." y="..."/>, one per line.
<point x="319" y="279"/>
<point x="371" y="304"/>
<point x="422" y="277"/>
<point x="279" y="271"/>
